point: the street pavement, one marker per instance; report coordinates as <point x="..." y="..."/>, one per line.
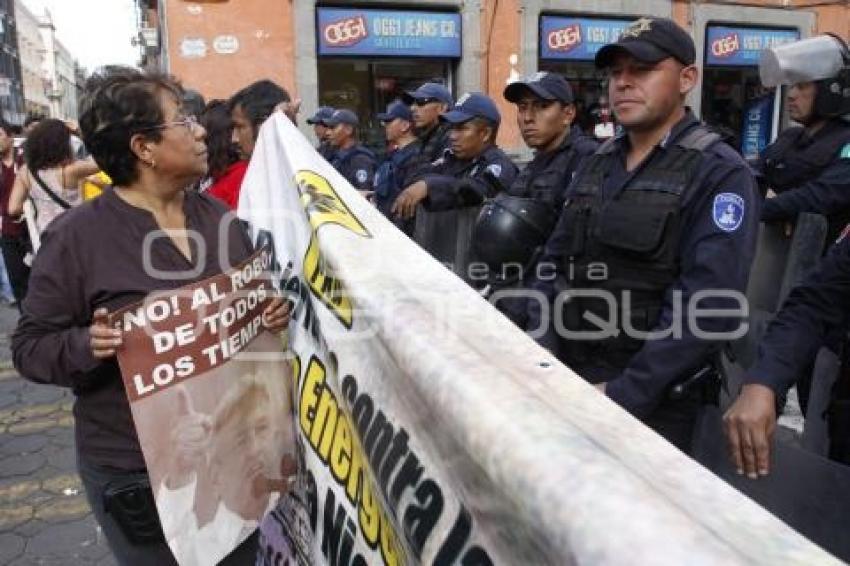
<point x="44" y="516"/>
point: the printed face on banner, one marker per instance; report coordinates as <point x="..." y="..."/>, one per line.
<point x="210" y="393"/>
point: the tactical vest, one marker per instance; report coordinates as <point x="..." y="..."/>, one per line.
<point x="635" y="236"/>
<point x="548" y="183"/>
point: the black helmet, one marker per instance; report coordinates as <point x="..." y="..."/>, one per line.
<point x="510" y="230"/>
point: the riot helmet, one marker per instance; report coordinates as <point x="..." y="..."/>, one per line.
<point x="511" y="231"/>
<point x="823" y="60"/>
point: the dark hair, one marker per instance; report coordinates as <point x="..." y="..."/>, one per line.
<point x="259" y="100"/>
<point x="118" y="103"/>
<point x="48" y="145"/>
<point x="193" y="102"/>
<point x="221" y="152"/>
<point x="6" y="127"/>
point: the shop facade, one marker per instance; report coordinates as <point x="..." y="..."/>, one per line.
<point x="361" y="55"/>
<point x="730" y="97"/>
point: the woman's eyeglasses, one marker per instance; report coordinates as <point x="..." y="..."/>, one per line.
<point x="189" y="122"/>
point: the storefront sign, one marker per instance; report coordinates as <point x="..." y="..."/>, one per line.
<point x="758" y="118"/>
<point x="743" y="46"/>
<point x="577" y="39"/>
<point x="389" y="33"/>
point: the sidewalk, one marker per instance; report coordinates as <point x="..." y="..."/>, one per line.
<point x="44" y="516"/>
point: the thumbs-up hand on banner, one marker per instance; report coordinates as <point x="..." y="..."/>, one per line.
<point x="190" y="435"/>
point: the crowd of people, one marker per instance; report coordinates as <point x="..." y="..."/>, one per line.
<point x="663" y="216"/>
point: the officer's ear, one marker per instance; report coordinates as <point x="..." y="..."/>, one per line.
<point x="688" y="77"/>
<point x="568" y="114"/>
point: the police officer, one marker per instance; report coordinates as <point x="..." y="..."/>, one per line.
<point x="317" y="120"/>
<point x="352" y="159"/>
<point x="545" y="116"/>
<point x="817" y="310"/>
<point x="659" y="223"/>
<point x="401" y="165"/>
<point x="472" y="170"/>
<point x="808" y="166"/>
<point x="428" y="103"/>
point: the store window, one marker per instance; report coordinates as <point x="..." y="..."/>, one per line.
<point x="369" y="57"/>
<point x="568" y="46"/>
<point x="733" y="98"/>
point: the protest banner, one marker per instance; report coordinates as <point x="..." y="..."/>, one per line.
<point x="430" y="430"/>
<point x="210" y="394"/>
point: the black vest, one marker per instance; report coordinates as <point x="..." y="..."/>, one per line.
<point x="635" y="236"/>
<point x="796" y="158"/>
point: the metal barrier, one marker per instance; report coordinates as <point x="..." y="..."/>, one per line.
<point x="447" y="236"/>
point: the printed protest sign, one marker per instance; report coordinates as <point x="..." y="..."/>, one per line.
<point x="210" y="393"/>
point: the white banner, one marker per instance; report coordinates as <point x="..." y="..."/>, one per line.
<point x="431" y="430"/>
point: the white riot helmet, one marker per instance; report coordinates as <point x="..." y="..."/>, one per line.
<point x="824" y="60"/>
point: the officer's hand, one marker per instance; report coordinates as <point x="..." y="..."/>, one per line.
<point x="405" y="204"/>
<point x="749" y="425"/>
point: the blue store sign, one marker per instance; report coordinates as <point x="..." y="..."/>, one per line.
<point x="344" y="31"/>
<point x="743" y="46"/>
<point x="577" y="39"/>
<point x="758" y="120"/>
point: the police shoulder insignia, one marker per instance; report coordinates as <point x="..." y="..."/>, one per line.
<point x="845" y="152"/>
<point x="728" y="211"/>
<point x="495" y="169"/>
<point x="361" y="175"/>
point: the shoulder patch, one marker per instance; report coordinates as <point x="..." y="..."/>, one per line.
<point x="728" y="211"/>
<point x="845" y="152"/>
<point x="495" y="169"/>
<point x="361" y="175"/>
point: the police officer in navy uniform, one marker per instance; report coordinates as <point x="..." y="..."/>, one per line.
<point x="472" y="170"/>
<point x="512" y="228"/>
<point x="545" y="116"/>
<point x="320" y="128"/>
<point x="428" y="103"/>
<point x="401" y="166"/>
<point x="817" y="310"/>
<point x="804" y="166"/>
<point x="352" y="159"/>
<point x="659" y="223"/>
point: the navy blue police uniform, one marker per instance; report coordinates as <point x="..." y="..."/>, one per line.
<point x="641" y="250"/>
<point x="325" y="149"/>
<point x="685" y="221"/>
<point x="356" y="163"/>
<point x="435" y="139"/>
<point x="457" y="183"/>
<point x="398" y="171"/>
<point x="809" y="173"/>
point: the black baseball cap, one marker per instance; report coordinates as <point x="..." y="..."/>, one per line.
<point x="546" y="85"/>
<point x="343" y="116"/>
<point x="650" y="40"/>
<point x="472" y="105"/>
<point x="321" y="115"/>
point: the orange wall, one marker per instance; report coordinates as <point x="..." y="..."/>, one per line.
<point x="834" y="19"/>
<point x="264" y="32"/>
<point x="500" y="39"/>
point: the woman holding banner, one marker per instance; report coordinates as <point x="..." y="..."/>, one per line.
<point x="151" y="235"/>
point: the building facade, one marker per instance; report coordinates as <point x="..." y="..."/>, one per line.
<point x="31" y="49"/>
<point x="360" y="54"/>
<point x="11" y="84"/>
<point x="62" y="74"/>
